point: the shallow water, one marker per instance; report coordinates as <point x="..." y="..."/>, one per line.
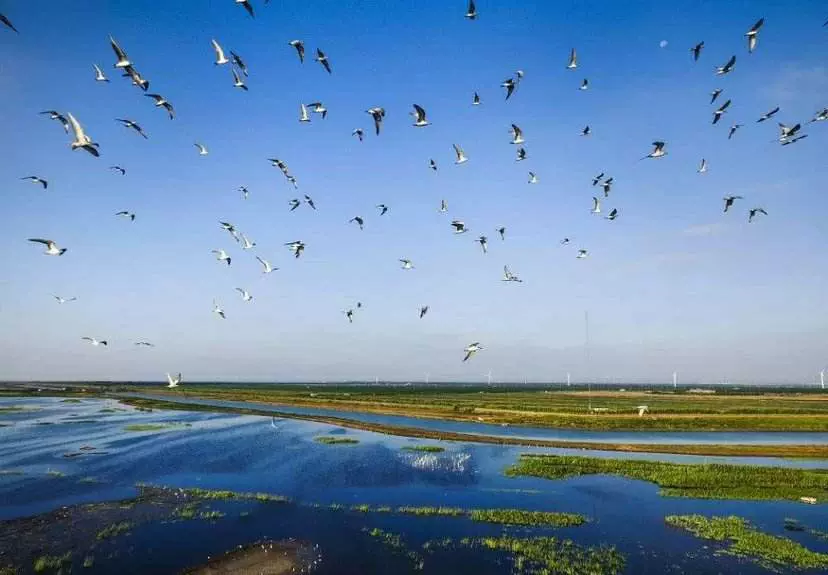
<point x="249" y="453"/>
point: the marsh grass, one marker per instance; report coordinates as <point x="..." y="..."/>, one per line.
<point x="210" y="515"/>
<point x="432" y="511"/>
<point x="532" y="518"/>
<point x="11" y="472"/>
<point x="70" y="400"/>
<point x="55" y="473"/>
<point x="221" y="494"/>
<point x="330" y="440"/>
<point x="52" y="562"/>
<point x="113" y="530"/>
<point x="424" y="448"/>
<point x="746" y="541"/>
<point x="89" y="561"/>
<point x="704" y="481"/>
<point x="136" y="427"/>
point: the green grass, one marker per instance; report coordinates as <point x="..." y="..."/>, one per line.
<point x="186" y="512"/>
<point x="70" y="400"/>
<point x="8" y="570"/>
<point x="222" y="494"/>
<point x="55" y="473"/>
<point x="113" y="530"/>
<point x="155" y="426"/>
<point x="52" y="562"/>
<point x="429" y="511"/>
<point x="210" y="515"/>
<point x="533" y="518"/>
<point x="17" y="409"/>
<point x="89" y="561"/>
<point x="331" y="440"/>
<point x="708" y="481"/>
<point x="424" y="448"/>
<point x="11" y="472"/>
<point x="746" y="541"/>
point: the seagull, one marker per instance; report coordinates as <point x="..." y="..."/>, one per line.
<point x="356" y="220"/>
<point x="309" y="201"/>
<point x="533" y="179"/>
<point x="245" y="295"/>
<point x="820" y="116"/>
<point x="786" y="132"/>
<point x="573" y="60"/>
<point x="459" y="227"/>
<point x="126" y="214"/>
<point x="218" y="311"/>
<point x="471" y="13"/>
<point x="510" y="87"/>
<point x="81" y="139"/>
<point x="406" y="264"/>
<point x="702" y="167"/>
<point x="382" y="208"/>
<point x="717" y="115"/>
<point x="753" y="35"/>
<point x="303" y="113"/>
<point x="612" y="215"/>
<point x="423" y="311"/>
<point x="586" y="131"/>
<point x="52" y="248"/>
<point x="221" y="256"/>
<point x="502" y="231"/>
<point x="754" y="211"/>
<point x="173" y="381"/>
<point x="607" y="185"/>
<point x="517" y="135"/>
<point x="597" y="179"/>
<point x="596" y="205"/>
<point x="508" y="276"/>
<point x="161" y="102"/>
<point x="94" y="341"/>
<point x="37" y="180"/>
<point x="319" y="108"/>
<point x="61" y="300"/>
<point x="55" y="115"/>
<point x="519" y="75"/>
<point x="658" y="151"/>
<point x="245" y="192"/>
<point x="294" y="203"/>
<point x="768" y="115"/>
<point x="246" y="243"/>
<point x="220" y="57"/>
<point x="118" y="169"/>
<point x="202" y="151"/>
<point x="443" y="206"/>
<point x="728" y="200"/>
<point x="733" y="129"/>
<point x="642" y="409"/>
<point x="461" y="156"/>
<point x="476" y="100"/>
<point x="471" y="350"/>
<point x="300" y="49"/>
<point x="715" y="94"/>
<point x="697" y="51"/>
<point x="239" y="62"/>
<point x="582" y="254"/>
<point x="247" y="6"/>
<point x="322" y="59"/>
<point x="99" y="75"/>
<point x="584" y="85"/>
<point x="521" y="154"/>
<point x="144" y="344"/>
<point x="350" y="315"/>
<point x="432" y="164"/>
<point x="793" y="140"/>
<point x="132" y="125"/>
<point x="7" y="22"/>
<point x="565" y="242"/>
<point x="378" y="114"/>
<point x="727" y="68"/>
<point x="484" y="243"/>
<point x="420" y="117"/>
<point x="123" y="60"/>
<point x="237" y="81"/>
<point x="137" y="79"/>
<point x="359" y="133"/>
<point x="296" y="247"/>
<point x="231" y="229"/>
<point x="266" y="264"/>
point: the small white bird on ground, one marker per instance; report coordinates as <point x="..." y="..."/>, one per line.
<point x="52" y="248"/>
<point x="642" y="409"/>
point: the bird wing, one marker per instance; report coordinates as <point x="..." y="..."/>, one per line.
<point x="421" y="114"/>
<point x="219" y="52"/>
<point x="80" y="136"/>
<point x="118" y="51"/>
<point x="49" y="243"/>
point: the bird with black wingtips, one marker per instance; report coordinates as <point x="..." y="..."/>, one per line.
<point x="459" y="226"/>
<point x="727" y="68"/>
<point x="573" y="60"/>
<point x="423" y="311"/>
<point x="517" y="135"/>
<point x="245" y="295"/>
<point x="52" y="248"/>
<point x="607" y="186"/>
<point x="733" y="129"/>
<point x="202" y="149"/>
<point x="143" y="343"/>
<point x="728" y="201"/>
<point x="95" y="342"/>
<point x="820" y="116"/>
<point x="432" y="164"/>
<point x="533" y="178"/>
<point x="357" y="220"/>
<point x="323" y="59"/>
<point x="612" y="215"/>
<point x="55" y="115"/>
<point x="300" y="49"/>
<point x="502" y="231"/>
<point x="350" y="315"/>
<point x="319" y="108"/>
<point x="239" y="63"/>
<point x="382" y="208"/>
<point x="132" y="126"/>
<point x="420" y="117"/>
<point x="294" y="203"/>
<point x="266" y="265"/>
<point x="161" y="102"/>
<point x="237" y="80"/>
<point x="443" y="207"/>
<point x="790" y="141"/>
<point x="715" y="94"/>
<point x="754" y="211"/>
<point x="137" y="80"/>
<point x="565" y="242"/>
<point x="472" y="349"/>
<point x="8" y="23"/>
<point x="658" y="150"/>
<point x="471" y="13"/>
<point x="218" y="310"/>
<point x="406" y="264"/>
<point x="247" y="6"/>
<point x="584" y="85"/>
<point x="62" y="300"/>
<point x="221" y="58"/>
<point x="752" y="35"/>
<point x="245" y="242"/>
<point x="37" y="180"/>
<point x="123" y="60"/>
<point x="130" y="216"/>
<point x="586" y="131"/>
<point x="768" y="115"/>
<point x="359" y="133"/>
<point x="230" y="229"/>
<point x="521" y="154"/>
<point x="378" y="114"/>
<point x="245" y="192"/>
<point x="484" y="243"/>
<point x="510" y="85"/>
<point x="297" y="247"/>
<point x="508" y="276"/>
<point x="702" y="167"/>
<point x="597" y="179"/>
<point x="787" y="132"/>
<point x="696" y="50"/>
<point x="222" y="256"/>
<point x="82" y="140"/>
<point x="99" y="75"/>
<point x="582" y="254"/>
<point x="476" y="100"/>
<point x="717" y="115"/>
<point x="461" y="156"/>
<point x="118" y="169"/>
<point x="596" y="205"/>
<point x="309" y="201"/>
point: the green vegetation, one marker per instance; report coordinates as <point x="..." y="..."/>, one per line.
<point x="52" y="562"/>
<point x="533" y="518"/>
<point x="155" y="426"/>
<point x="89" y="480"/>
<point x="210" y="515"/>
<point x="198" y="493"/>
<point x="55" y="473"/>
<point x="186" y="512"/>
<point x="7" y="570"/>
<point x="744" y="540"/>
<point x="441" y="511"/>
<point x="89" y="561"/>
<point x="70" y="400"/>
<point x="396" y="543"/>
<point x="708" y="481"/>
<point x="11" y="472"/>
<point x="362" y="508"/>
<point x="331" y="440"/>
<point x="16" y="408"/>
<point x="424" y="448"/>
<point x="113" y="530"/>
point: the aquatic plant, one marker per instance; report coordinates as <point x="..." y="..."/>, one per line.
<point x="552" y="555"/>
<point x="11" y="472"/>
<point x="424" y="448"/>
<point x="744" y="540"/>
<point x="362" y="508"/>
<point x="533" y="518"/>
<point x="441" y="511"/>
<point x="186" y="512"/>
<point x="155" y="426"/>
<point x="52" y="562"/>
<point x="200" y="493"/>
<point x="113" y="530"/>
<point x="70" y="400"/>
<point x="209" y="515"/>
<point x="330" y="440"/>
<point x="88" y="561"/>
<point x="55" y="473"/>
<point x="707" y="481"/>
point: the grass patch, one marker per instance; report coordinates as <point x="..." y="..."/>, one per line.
<point x="52" y="562"/>
<point x="221" y="494"/>
<point x="745" y="541"/>
<point x="432" y="511"/>
<point x="155" y="426"/>
<point x="55" y="473"/>
<point x="70" y="400"/>
<point x="708" y="481"/>
<point x="210" y="515"/>
<point x="186" y="512"/>
<point x="17" y="409"/>
<point x="88" y="561"/>
<point x="113" y="530"/>
<point x="11" y="472"/>
<point x="424" y="448"/>
<point x="533" y="518"/>
<point x="331" y="440"/>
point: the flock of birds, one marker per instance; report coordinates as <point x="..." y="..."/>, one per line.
<point x="81" y="140"/>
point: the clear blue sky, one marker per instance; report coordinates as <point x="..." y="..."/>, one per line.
<point x="671" y="284"/>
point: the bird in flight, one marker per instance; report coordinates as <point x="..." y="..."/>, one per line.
<point x="443" y="206"/>
<point x="55" y="115"/>
<point x="123" y="60"/>
<point x="820" y="116"/>
<point x="419" y="117"/>
<point x="296" y="247"/>
<point x="246" y="244"/>
<point x="702" y="167"/>
<point x="502" y="231"/>
<point x="99" y="75"/>
<point x="728" y="200"/>
<point x="768" y="115"/>
<point x="359" y="133"/>
<point x="245" y="295"/>
<point x="753" y="35"/>
<point x="137" y="79"/>
<point x="8" y="23"/>
<point x="727" y="68"/>
<point x="786" y="132"/>
<point x="319" y="108"/>
<point x="218" y="311"/>
<point x="239" y="63"/>
<point x="377" y="114"/>
<point x="658" y="150"/>
<point x="461" y="156"/>
<point x="303" y="113"/>
<point x="423" y="311"/>
<point x="612" y="215"/>
<point x="309" y="201"/>
<point x="517" y="135"/>
<point x="510" y="85"/>
<point x="794" y="140"/>
<point x="717" y="115"/>
<point x="202" y="150"/>
<point x="533" y="178"/>
<point x="382" y="208"/>
<point x="459" y="227"/>
<point x="245" y="192"/>
<point x="173" y="381"/>
<point x="247" y="6"/>
<point x="350" y="315"/>
<point x="733" y="129"/>
<point x="161" y="102"/>
<point x="61" y="300"/>
<point x="696" y="50"/>
<point x="715" y="94"/>
<point x="300" y="49"/>
<point x="471" y="13"/>
<point x="323" y="59"/>
<point x="573" y="60"/>
<point x="597" y="179"/>
<point x="484" y="243"/>
<point x="472" y="349"/>
<point x="237" y="81"/>
<point x="357" y="220"/>
<point x="81" y="140"/>
<point x="586" y="131"/>
<point x="133" y="126"/>
<point x="607" y="186"/>
<point x="521" y="154"/>
<point x="432" y="164"/>
<point x="294" y="203"/>
<point x="266" y="265"/>
<point x="94" y="341"/>
<point x="406" y="264"/>
<point x="221" y="59"/>
<point x="565" y="242"/>
<point x="118" y="169"/>
<point x="52" y="248"/>
<point x="126" y="214"/>
<point x="476" y="100"/>
<point x="753" y="212"/>
<point x="144" y="344"/>
<point x="37" y="180"/>
<point x="582" y="254"/>
<point x="231" y="229"/>
<point x="596" y="205"/>
<point x="222" y="256"/>
<point x="508" y="276"/>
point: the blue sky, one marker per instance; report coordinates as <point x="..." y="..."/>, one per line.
<point x="671" y="284"/>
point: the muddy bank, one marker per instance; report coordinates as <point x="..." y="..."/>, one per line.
<point x="262" y="558"/>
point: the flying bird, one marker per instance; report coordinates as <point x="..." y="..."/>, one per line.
<point x="294" y="203"/>
<point x="423" y="311"/>
<point x="597" y="179"/>
<point x="52" y="248"/>
<point x="406" y="264"/>
<point x="521" y="154"/>
<point x="584" y="84"/>
<point x="309" y="201"/>
<point x="129" y="215"/>
<point x="510" y="85"/>
<point x="607" y="186"/>
<point x="81" y="140"/>
<point x="247" y="6"/>
<point x="220" y="57"/>
<point x="37" y="180"/>
<point x="715" y="94"/>
<point x="61" y="300"/>
<point x="717" y="115"/>
<point x="133" y="126"/>
<point x="246" y="244"/>
<point x="137" y="79"/>
<point x="8" y="23"/>
<point x="118" y="169"/>
<point x="754" y="211"/>
<point x="565" y="242"/>
<point x="582" y="254"/>
<point x="612" y="215"/>
<point x="733" y="129"/>
<point x="484" y="243"/>
<point x="420" y="117"/>
<point x="471" y="13"/>
<point x="533" y="178"/>
<point x="517" y="135"/>
<point x="94" y="341"/>
<point x="238" y="62"/>
<point x="786" y="132"/>
<point x="266" y="265"/>
<point x="350" y="315"/>
<point x="245" y="192"/>
<point x="476" y="100"/>
<point x="794" y="140"/>
<point x="323" y="59"/>
<point x="296" y="247"/>
<point x="245" y="295"/>
<point x="359" y="133"/>
<point x="502" y="231"/>
<point x="472" y="349"/>
<point x="237" y="81"/>
<point x="702" y="167"/>
<point x="382" y="208"/>
<point x="443" y="206"/>
<point x="123" y="60"/>
<point x="231" y="229"/>
<point x="144" y="344"/>
<point x="727" y="68"/>
<point x="218" y="311"/>
<point x="586" y="131"/>
<point x="99" y="75"/>
<point x="378" y="114"/>
<point x="357" y="220"/>
<point x="658" y="150"/>
<point x="461" y="157"/>
<point x="319" y="108"/>
<point x="222" y="256"/>
<point x="696" y="50"/>
<point x="303" y="113"/>
<point x="728" y="200"/>
<point x="173" y="381"/>
<point x="202" y="150"/>
<point x="508" y="276"/>
<point x="432" y="164"/>
<point x="753" y="35"/>
<point x="459" y="227"/>
<point x="161" y="102"/>
<point x="55" y="115"/>
<point x="820" y="116"/>
<point x="596" y="205"/>
<point x="573" y="60"/>
<point x="768" y="115"/>
<point x="300" y="49"/>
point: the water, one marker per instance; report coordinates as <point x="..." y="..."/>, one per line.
<point x="249" y="453"/>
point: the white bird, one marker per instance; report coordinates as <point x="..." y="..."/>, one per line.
<point x="642" y="409"/>
<point x="296" y="247"/>
<point x="221" y="256"/>
<point x="521" y="154"/>
<point x="508" y="276"/>
<point x="237" y="61"/>
<point x="126" y="214"/>
<point x="584" y="85"/>
<point x="118" y="169"/>
<point x="266" y="264"/>
<point x="61" y="300"/>
<point x="123" y="60"/>
<point x="484" y="243"/>
<point x="753" y="35"/>
<point x="596" y="205"/>
<point x="768" y="115"/>
<point x="510" y="86"/>
<point x="420" y="117"/>
<point x="137" y="79"/>
<point x="533" y="178"/>
<point x="786" y="132"/>
<point x="573" y="60"/>
<point x="81" y="139"/>
<point x="607" y="186"/>
<point x="319" y="108"/>
<point x="300" y="49"/>
<point x="37" y="180"/>
<point x="517" y="135"/>
<point x="727" y="68"/>
<point x="52" y="248"/>
<point x="733" y="129"/>
<point x="471" y="13"/>
<point x="471" y="349"/>
<point x="323" y="59"/>
<point x="247" y="6"/>
<point x="461" y="156"/>
<point x="245" y="192"/>
<point x="173" y="381"/>
<point x="612" y="215"/>
<point x="246" y="243"/>
<point x="161" y="102"/>
<point x="133" y="126"/>
<point x="237" y="81"/>
<point x="378" y="114"/>
<point x="94" y="341"/>
<point x="99" y="75"/>
<point x="220" y="57"/>
<point x="359" y="133"/>
<point x="820" y="116"/>
<point x="231" y="229"/>
<point x="715" y="94"/>
<point x="303" y="114"/>
<point x="582" y="254"/>
<point x="702" y="167"/>
<point x="717" y="115"/>
<point x="754" y="211"/>
<point x="459" y="226"/>
<point x="218" y="311"/>
<point x="245" y="295"/>
<point x="658" y="151"/>
<point x="406" y="264"/>
<point x="55" y="115"/>
<point x="202" y="151"/>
